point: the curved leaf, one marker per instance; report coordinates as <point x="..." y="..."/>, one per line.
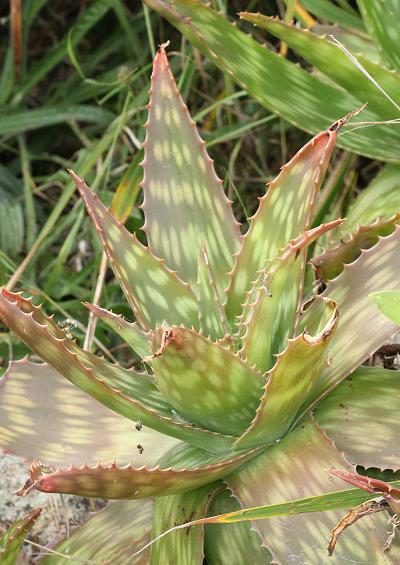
<point x="270" y="315"/>
<point x="205" y="382"/>
<point x="182" y="547"/>
<point x="131" y="333"/>
<point x="381" y="199"/>
<point x="295" y="373"/>
<point x="324" y="55"/>
<point x="184" y="202"/>
<point x="109" y="536"/>
<point x="298" y="467"/>
<point x="330" y="263"/>
<point x="361" y="329"/>
<point x="283" y="214"/>
<point x="50" y="343"/>
<point x="153" y="291"/>
<point x="46" y="417"/>
<point x="12" y="540"/>
<point x="361" y="417"/>
<point x="383" y="20"/>
<point x="281" y="86"/>
<point x="186" y="469"/>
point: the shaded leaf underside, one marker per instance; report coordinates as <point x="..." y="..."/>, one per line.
<point x="99" y="379"/>
<point x="298" y="467"/>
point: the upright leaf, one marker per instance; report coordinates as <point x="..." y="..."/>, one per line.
<point x="270" y="314"/>
<point x="290" y="381"/>
<point x="205" y="382"/>
<point x="283" y="214"/>
<point x="184" y="202"/>
<point x="153" y="291"/>
<point x="181" y="547"/>
<point x="212" y="316"/>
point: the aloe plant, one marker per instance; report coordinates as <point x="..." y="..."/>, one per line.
<point x="239" y="382"/>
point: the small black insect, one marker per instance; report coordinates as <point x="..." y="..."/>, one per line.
<point x="140" y="448"/>
<point x="138" y="425"/>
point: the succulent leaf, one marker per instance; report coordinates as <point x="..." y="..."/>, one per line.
<point x="383" y="19"/>
<point x="380" y="199"/>
<point x="329" y="264"/>
<point x="58" y="426"/>
<point x="325" y="56"/>
<point x="297" y="467"/>
<point x="308" y="102"/>
<point x="110" y="536"/>
<point x="232" y="543"/>
<point x="181" y="547"/>
<point x="270" y="314"/>
<point x="179" y="178"/>
<point x="388" y="303"/>
<point x="186" y="469"/>
<point x="205" y="382"/>
<point x="361" y="329"/>
<point x="153" y="291"/>
<point x="130" y="332"/>
<point x="284" y="213"/>
<point x="212" y="317"/>
<point x="48" y="341"/>
<point x="13" y="538"/>
<point x="360" y="416"/>
<point x="295" y="373"/>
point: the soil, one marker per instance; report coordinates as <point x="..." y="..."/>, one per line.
<point x="59" y="515"/>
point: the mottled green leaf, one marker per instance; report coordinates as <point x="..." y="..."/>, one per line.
<point x="294" y="375"/>
<point x="381" y="199"/>
<point x="183" y="547"/>
<point x="327" y="10"/>
<point x="280" y="85"/>
<point x="205" y="382"/>
<point x="361" y="329"/>
<point x="272" y="309"/>
<point x="46" y="417"/>
<point x="13" y="538"/>
<point x="361" y="417"/>
<point x="226" y="544"/>
<point x="131" y="333"/>
<point x="153" y="291"/>
<point x="382" y="17"/>
<point x="212" y="317"/>
<point x="388" y="303"/>
<point x="186" y="469"/>
<point x="356" y="41"/>
<point x="184" y="202"/>
<point x="330" y="263"/>
<point x="101" y="380"/>
<point x="333" y="62"/>
<point x="283" y="214"/>
<point x="109" y="536"/>
<point x="298" y="467"/>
